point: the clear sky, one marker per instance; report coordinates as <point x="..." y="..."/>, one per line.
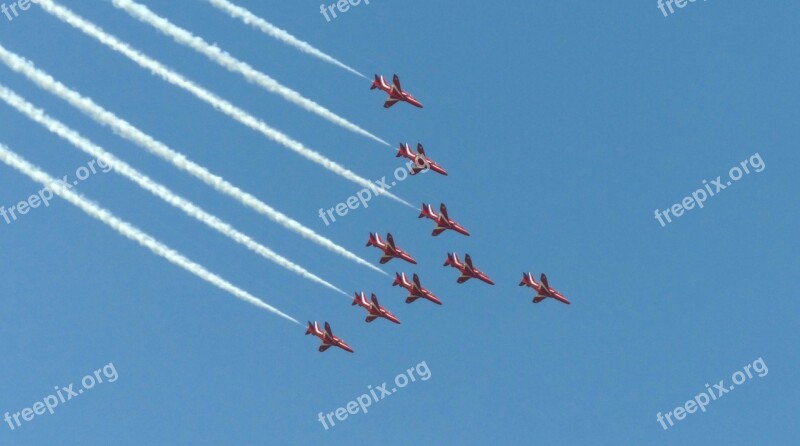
<point x="563" y="125"/>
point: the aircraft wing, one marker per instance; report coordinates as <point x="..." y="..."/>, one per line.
<point x="324" y="347"/>
<point x="390" y="102"/>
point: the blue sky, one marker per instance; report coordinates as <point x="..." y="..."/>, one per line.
<point x="563" y="127"/>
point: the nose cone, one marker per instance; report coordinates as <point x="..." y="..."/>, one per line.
<point x="346" y="347"/>
<point x="413" y="101"/>
<point x="392" y="318"/>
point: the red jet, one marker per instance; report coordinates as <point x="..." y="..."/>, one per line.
<point x="327" y="337"/>
<point x="443" y="222"/>
<point x="374" y="309"/>
<point x="421" y="161"/>
<point x="395" y="92"/>
<point x="467" y="270"/>
<point x="543" y="289"/>
<point x="390" y="251"/>
<point x="415" y="289"/>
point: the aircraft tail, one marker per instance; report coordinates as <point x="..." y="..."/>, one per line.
<point x="376" y="83"/>
<point x="526" y="279"/>
<point x="404" y="151"/>
<point x="398" y="279"/>
<point x="356" y="300"/>
<point x="452" y="260"/>
<point x="310" y="328"/>
<point x="427" y="211"/>
<point x="373" y="240"/>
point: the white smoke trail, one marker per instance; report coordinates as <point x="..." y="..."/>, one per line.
<point x="271" y="30"/>
<point x="215" y="101"/>
<point x="153" y="187"/>
<point x="126" y="229"/>
<point x="178" y="160"/>
<point x="224" y="59"/>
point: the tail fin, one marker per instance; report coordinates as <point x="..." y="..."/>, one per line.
<point x="452" y="260"/>
<point x="356" y="300"/>
<point x="376" y="83"/>
<point x="310" y="328"/>
<point x="373" y="240"/>
<point x="404" y="151"/>
<point x="397" y="279"/>
<point x="427" y="211"/>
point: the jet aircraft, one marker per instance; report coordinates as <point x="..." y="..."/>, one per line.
<point x="390" y="251"/>
<point x="414" y="289"/>
<point x="395" y="92"/>
<point x="467" y="270"/>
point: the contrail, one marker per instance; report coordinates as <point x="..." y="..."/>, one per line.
<point x="130" y="231"/>
<point x="146" y="183"/>
<point x="217" y="55"/>
<point x="178" y="160"/>
<point x="237" y="12"/>
<point x="215" y="101"/>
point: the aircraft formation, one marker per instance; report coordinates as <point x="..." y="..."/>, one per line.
<point x="391" y="251"/>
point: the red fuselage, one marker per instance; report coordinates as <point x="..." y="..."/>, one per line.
<point x="327" y="337"/>
<point x="390" y="251"/>
<point x="395" y="92"/>
<point x="415" y="289"/>
<point x="543" y="289"/>
<point x="374" y="308"/>
<point x="467" y="270"/>
<point x="443" y="221"/>
<point x="420" y="159"/>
